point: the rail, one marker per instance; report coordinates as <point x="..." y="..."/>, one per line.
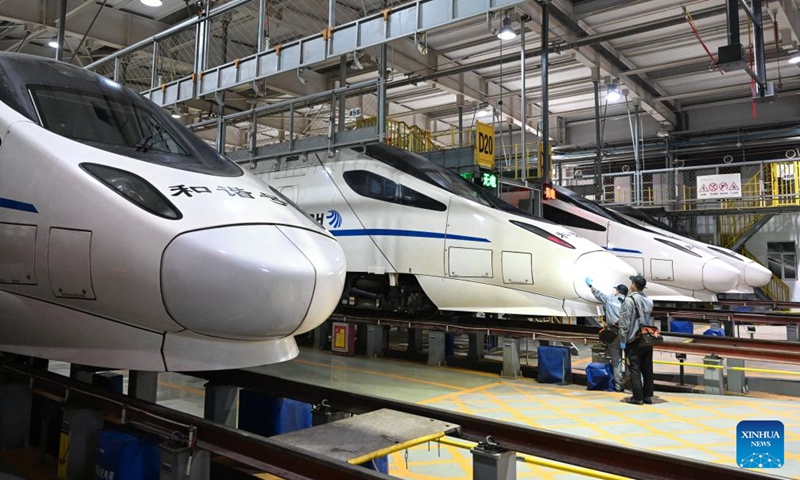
<point x="594" y="455"/>
<point x="748" y="349"/>
<point x="245" y="448"/>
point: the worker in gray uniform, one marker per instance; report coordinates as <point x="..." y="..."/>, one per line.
<point x="612" y="304"/>
<point x="635" y="314"/>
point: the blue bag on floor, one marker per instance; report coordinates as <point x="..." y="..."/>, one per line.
<point x="600" y="376"/>
<point x="127" y="456"/>
<point x="681" y="326"/>
<point x="555" y="365"/>
<point x="715" y="332"/>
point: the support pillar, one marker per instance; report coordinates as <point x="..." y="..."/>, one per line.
<point x="523" y="104"/>
<point x="737" y="383"/>
<point x="322" y="335"/>
<point x="511" y="368"/>
<point x="436" y="348"/>
<point x="476" y="343"/>
<point x="490" y="461"/>
<point x="143" y="385"/>
<point x="376" y="339"/>
<point x="414" y="340"/>
<point x="792" y="332"/>
<point x="545" y="134"/>
<point x="62" y="27"/>
<point x="713" y="378"/>
<point x="598" y="155"/>
<point x="220" y="404"/>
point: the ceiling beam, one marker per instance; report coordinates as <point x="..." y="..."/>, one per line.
<point x="115" y="28"/>
<point x="591" y="56"/>
<point x="591" y="7"/>
<point x="407" y="59"/>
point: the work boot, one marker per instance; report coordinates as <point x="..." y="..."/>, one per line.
<point x="648" y="400"/>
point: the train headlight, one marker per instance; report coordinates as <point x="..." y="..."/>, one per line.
<point x="543" y="233"/>
<point x="133" y="188"/>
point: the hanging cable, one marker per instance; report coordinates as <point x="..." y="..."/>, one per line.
<point x="691" y="23"/>
<point x="75" y="52"/>
<point x="777" y="51"/>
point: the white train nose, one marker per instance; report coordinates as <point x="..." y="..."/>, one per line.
<point x="276" y="280"/>
<point x="606" y="271"/>
<point x="719" y="277"/>
<point x="756" y="275"/>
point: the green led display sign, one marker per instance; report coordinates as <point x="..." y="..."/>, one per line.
<point x="489" y="180"/>
<point x="468" y="176"/>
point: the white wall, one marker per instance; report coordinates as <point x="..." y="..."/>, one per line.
<point x="781" y="228"/>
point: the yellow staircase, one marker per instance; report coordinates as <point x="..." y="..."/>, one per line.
<point x="776" y="289"/>
<point x="779" y="188"/>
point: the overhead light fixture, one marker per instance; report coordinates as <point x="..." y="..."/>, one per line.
<point x="175" y="112"/>
<point x="152" y="3"/>
<point x="795" y="59"/>
<point x="613" y="94"/>
<point x="662" y="132"/>
<point x="53" y="43"/>
<point x="506" y="32"/>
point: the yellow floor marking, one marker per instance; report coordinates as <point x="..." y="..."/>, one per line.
<point x="380" y="374"/>
<point x="447" y="396"/>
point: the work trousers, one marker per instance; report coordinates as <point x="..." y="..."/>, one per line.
<point x="640" y="360"/>
<point x="616" y="365"/>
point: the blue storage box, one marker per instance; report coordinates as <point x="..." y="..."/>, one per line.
<point x="681" y="326"/>
<point x="600" y="376"/>
<point x="266" y="415"/>
<point x="124" y="455"/>
<point x="555" y="365"/>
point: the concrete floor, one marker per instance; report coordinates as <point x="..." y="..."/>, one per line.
<point x="690" y="425"/>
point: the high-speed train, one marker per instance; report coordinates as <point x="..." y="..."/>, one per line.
<point x="751" y="274"/>
<point x="127" y="242"/>
<point x="418" y="238"/>
<point x="675" y="270"/>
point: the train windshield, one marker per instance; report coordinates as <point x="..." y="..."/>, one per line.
<point x="122" y="122"/>
<point x="439" y="176"/>
<point x="571" y="197"/>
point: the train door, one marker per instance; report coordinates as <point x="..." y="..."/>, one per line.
<point x="468" y="251"/>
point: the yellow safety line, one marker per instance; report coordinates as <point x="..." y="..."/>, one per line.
<point x="394" y="448"/>
<point x="741" y="369"/>
<point x="544" y="462"/>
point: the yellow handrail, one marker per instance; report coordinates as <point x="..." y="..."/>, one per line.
<point x="777" y="290"/>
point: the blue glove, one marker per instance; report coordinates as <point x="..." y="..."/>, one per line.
<point x="588" y="282"/>
<point x="622" y="345"/>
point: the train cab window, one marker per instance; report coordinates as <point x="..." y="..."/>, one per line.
<point x="782" y="259"/>
<point x="117" y="120"/>
<point x="727" y="253"/>
<point x="676" y="246"/>
<point x="372" y="185"/>
<point x="567" y="219"/>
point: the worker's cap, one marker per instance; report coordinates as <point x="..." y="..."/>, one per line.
<point x="622" y="289"/>
<point x="639" y="281"/>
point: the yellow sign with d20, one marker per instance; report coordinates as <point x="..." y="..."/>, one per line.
<point x="484" y="145"/>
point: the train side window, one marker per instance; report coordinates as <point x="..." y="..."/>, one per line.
<point x="782" y="259"/>
<point x="371" y="185"/>
<point x="567" y="219"/>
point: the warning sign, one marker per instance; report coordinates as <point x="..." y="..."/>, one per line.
<point x="719" y="186"/>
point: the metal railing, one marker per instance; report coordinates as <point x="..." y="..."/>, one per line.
<point x="676" y="188"/>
